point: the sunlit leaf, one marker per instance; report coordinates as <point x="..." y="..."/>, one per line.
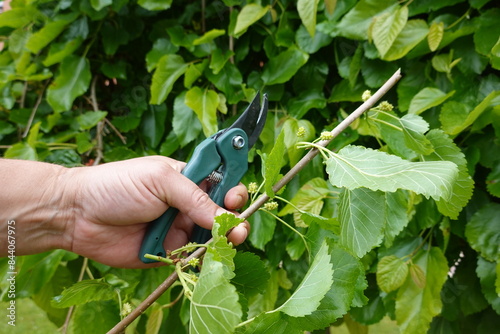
<point x="170" y="67"/>
<point x="386" y="28"/>
<point x="155" y="4"/>
<point x="204" y="103"/>
<point x="84" y="292"/>
<point x="354" y="167"/>
<point x="209" y="36"/>
<point x="275" y="160"/>
<point x="307" y="11"/>
<point x="313" y="287"/>
<point x="282" y="67"/>
<point x="426" y="99"/>
<point x="436" y="31"/>
<point x="412" y="34"/>
<point x="391" y="273"/>
<point x="248" y="15"/>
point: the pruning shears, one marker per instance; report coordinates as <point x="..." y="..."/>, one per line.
<point x="222" y="159"/>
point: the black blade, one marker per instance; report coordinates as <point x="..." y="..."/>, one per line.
<point x="253" y="119"/>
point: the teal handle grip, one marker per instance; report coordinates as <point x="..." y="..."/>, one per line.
<point x="235" y="166"/>
<point x="205" y="160"/>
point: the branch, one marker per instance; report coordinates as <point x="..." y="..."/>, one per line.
<point x="263" y="198"/>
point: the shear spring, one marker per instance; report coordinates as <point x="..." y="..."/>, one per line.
<point x="214" y="177"/>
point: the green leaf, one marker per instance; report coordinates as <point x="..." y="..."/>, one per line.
<point x="204" y="103"/>
<point x="417" y="275"/>
<point x="263" y="225"/>
<point x="100" y="4"/>
<point x="456" y="128"/>
<point x="314" y="286"/>
<point x="387" y="27"/>
<point x="415" y="306"/>
<point x="281" y="68"/>
<point x="348" y="281"/>
<point x="356" y="166"/>
<point x="436" y="32"/>
<point x="361" y="219"/>
<point x="355" y="24"/>
<point x="412" y="34"/>
<point x="47" y="34"/>
<point x="90" y="119"/>
<point x="307" y="11"/>
<point x="483" y="232"/>
<point x="21" y="151"/>
<point x="185" y="122"/>
<point x="193" y="72"/>
<point x="59" y="51"/>
<point x="248" y="15"/>
<point x="309" y="200"/>
<point x="72" y="80"/>
<point x="426" y="99"/>
<point x="42" y="266"/>
<point x="209" y="36"/>
<point x="251" y="275"/>
<point x="311" y="44"/>
<point x="487" y="273"/>
<point x="275" y="160"/>
<point x="219" y="59"/>
<point x="155" y="320"/>
<point x="214" y="304"/>
<point x="103" y="315"/>
<point x="170" y="67"/>
<point x="391" y="273"/>
<point x="154" y="5"/>
<point x="291" y="127"/>
<point x="153" y="124"/>
<point x="452" y="116"/>
<point x="414" y="128"/>
<point x="225" y="221"/>
<point x="271" y="323"/>
<point x="112" y="37"/>
<point x="493" y="181"/>
<point x="84" y="292"/>
<point x="446" y="150"/>
<point x="18" y="17"/>
<point x="161" y="47"/>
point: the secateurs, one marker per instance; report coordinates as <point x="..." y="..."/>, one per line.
<point x="222" y="159"/>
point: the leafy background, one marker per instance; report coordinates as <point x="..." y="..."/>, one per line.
<point x="95" y="81"/>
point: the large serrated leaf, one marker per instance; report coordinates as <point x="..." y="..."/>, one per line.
<point x="446" y="150"/>
<point x="387" y="27"/>
<point x="354" y="167"/>
<point x="487" y="273"/>
<point x="72" y="80"/>
<point x="84" y="292"/>
<point x="362" y="219"/>
<point x="169" y="68"/>
<point x="307" y="11"/>
<point x="251" y="275"/>
<point x="308" y="295"/>
<point x="416" y="306"/>
<point x="214" y="305"/>
<point x="204" y="103"/>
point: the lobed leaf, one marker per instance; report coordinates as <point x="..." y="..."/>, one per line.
<point x="354" y="167"/>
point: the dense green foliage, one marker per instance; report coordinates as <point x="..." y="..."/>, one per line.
<point x="402" y="218"/>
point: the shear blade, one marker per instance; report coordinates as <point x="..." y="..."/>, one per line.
<point x="253" y="119"/>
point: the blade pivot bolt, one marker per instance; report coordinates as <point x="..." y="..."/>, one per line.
<point x="238" y="142"/>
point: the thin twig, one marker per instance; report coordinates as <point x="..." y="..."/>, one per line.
<point x="263" y="198"/>
<point x="64" y="328"/>
<point x="118" y="133"/>
<point x="35" y="108"/>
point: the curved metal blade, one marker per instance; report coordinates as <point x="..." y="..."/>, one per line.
<point x="253" y="119"/>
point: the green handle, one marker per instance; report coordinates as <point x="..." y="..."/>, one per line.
<point x="205" y="160"/>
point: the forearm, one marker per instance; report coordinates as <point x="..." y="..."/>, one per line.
<point x="33" y="195"/>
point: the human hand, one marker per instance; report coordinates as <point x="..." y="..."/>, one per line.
<point x="114" y="202"/>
